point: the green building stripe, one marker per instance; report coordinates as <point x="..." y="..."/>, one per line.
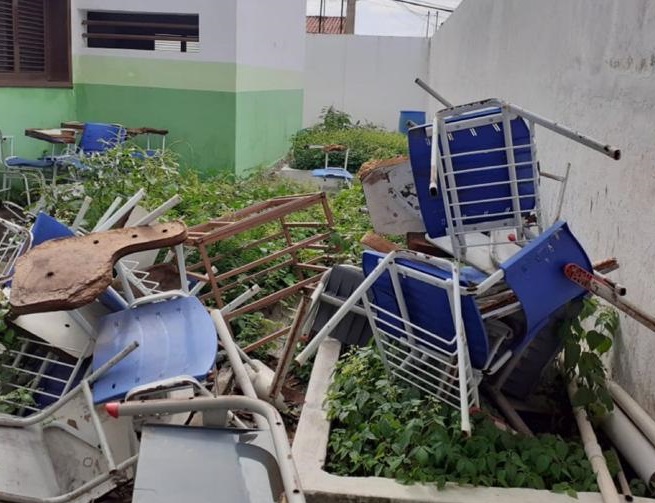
<point x="266" y="120"/>
<point x="180" y="74"/>
<point x="23" y="108"/>
<point x="201" y="123"/>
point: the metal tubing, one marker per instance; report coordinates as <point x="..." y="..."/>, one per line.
<point x="108" y="212"/>
<point x="596" y="285"/>
<point x="603" y="148"/>
<point x="15" y="422"/>
<point x="97" y="424"/>
<point x="287" y="468"/>
<point x="121" y="212"/>
<point x="240" y="372"/>
<point x="432" y="92"/>
<point x="86" y="204"/>
<point x="594" y="452"/>
<point x="158" y="212"/>
<point x="244" y="297"/>
<point x="284" y="362"/>
<point x="313" y="345"/>
<point x="434" y="174"/>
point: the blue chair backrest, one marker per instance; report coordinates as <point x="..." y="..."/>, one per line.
<point x="176" y="337"/>
<point x="536" y="275"/>
<point x="99" y="137"/>
<point x="486" y="137"/>
<point x="428" y="306"/>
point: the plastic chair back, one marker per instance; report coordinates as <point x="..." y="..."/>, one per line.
<point x="176" y="337"/>
<point x="536" y="275"/>
<point x="99" y="137"/>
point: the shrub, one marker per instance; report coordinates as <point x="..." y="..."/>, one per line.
<point x="365" y="142"/>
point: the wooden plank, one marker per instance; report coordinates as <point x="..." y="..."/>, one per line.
<point x="68" y="273"/>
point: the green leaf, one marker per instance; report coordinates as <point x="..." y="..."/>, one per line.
<point x="542" y="463"/>
<point x="595" y="339"/>
<point x="583" y="397"/>
<point x="571" y="355"/>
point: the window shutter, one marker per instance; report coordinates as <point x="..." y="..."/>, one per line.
<point x="31" y="36"/>
<point x="6" y="36"/>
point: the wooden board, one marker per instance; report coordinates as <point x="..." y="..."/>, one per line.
<point x="68" y="273"/>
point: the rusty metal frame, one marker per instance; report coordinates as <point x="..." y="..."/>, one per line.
<point x="273" y="212"/>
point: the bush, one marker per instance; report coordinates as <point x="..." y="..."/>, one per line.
<point x="365" y="142"/>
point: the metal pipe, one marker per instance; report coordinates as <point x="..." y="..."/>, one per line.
<point x="637" y="414"/>
<point x="158" y="212"/>
<point x="434" y="152"/>
<point x="240" y="373"/>
<point x="121" y="212"/>
<point x="86" y="204"/>
<point x="594" y="452"/>
<point x="432" y="92"/>
<point x="284" y="362"/>
<point x="603" y="148"/>
<point x="287" y="468"/>
<point x="16" y="422"/>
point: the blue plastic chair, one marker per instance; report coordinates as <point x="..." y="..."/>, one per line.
<point x="472" y="154"/>
<point x="96" y="138"/>
<point x="176" y="337"/>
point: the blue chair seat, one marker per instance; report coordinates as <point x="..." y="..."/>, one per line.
<point x="332" y="173"/>
<point x="176" y="337"/>
<point x="428" y="305"/>
<point x="18" y="162"/>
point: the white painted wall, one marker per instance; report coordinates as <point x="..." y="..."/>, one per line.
<point x="371" y="78"/>
<point x="271" y="34"/>
<point x="589" y="64"/>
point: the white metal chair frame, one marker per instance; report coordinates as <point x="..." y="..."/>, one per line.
<point x="442" y="169"/>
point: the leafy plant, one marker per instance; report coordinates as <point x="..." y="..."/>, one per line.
<point x="10" y="398"/>
<point x="365" y="142"/>
<point x="383" y="428"/>
<point x="586" y="339"/>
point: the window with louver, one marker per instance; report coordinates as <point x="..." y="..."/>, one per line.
<point x="35" y="43"/>
<point x="146" y="31"/>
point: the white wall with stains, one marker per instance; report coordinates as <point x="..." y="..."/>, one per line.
<point x="371" y="78"/>
<point x="589" y="64"/>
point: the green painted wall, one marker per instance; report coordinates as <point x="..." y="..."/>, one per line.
<point x="22" y="108"/>
<point x="201" y="123"/>
<point x="266" y="120"/>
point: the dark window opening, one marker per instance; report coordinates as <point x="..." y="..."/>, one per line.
<point x="35" y="43"/>
<point x="142" y="31"/>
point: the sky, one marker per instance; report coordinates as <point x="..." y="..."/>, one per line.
<point x="387" y="17"/>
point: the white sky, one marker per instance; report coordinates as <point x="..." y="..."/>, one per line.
<point x="386" y="17"/>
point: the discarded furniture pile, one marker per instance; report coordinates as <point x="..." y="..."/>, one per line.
<point x="477" y="299"/>
<point x="110" y="372"/>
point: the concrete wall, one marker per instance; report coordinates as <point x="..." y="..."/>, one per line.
<point x="371" y="78"/>
<point x="589" y="64"/>
<point x="270" y="55"/>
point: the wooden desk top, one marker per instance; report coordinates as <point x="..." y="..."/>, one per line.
<point x="60" y="136"/>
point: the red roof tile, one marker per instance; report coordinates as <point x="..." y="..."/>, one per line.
<point x="331" y="25"/>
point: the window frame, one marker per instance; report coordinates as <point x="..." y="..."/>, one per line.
<point x="57" y="50"/>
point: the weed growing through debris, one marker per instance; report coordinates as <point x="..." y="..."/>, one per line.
<point x="11" y="399"/>
<point x="582" y="355"/>
<point x="383" y="428"/>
